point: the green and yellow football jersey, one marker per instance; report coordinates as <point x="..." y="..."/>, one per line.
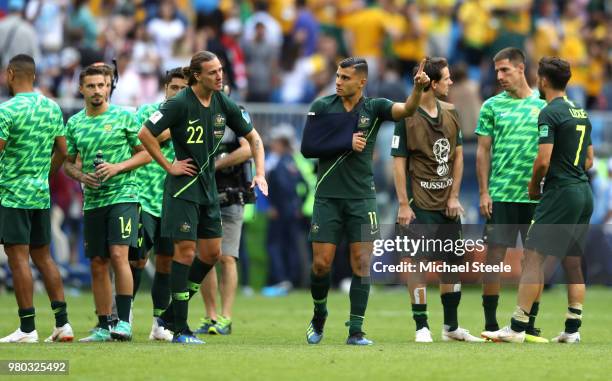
<point x="114" y="133"/>
<point x="349" y="175"/>
<point x="568" y="128"/>
<point x="196" y="134"/>
<point x="29" y="123"/>
<point x="151" y="177"/>
<point x="512" y="123"/>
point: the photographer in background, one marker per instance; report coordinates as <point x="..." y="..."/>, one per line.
<point x="233" y="176"/>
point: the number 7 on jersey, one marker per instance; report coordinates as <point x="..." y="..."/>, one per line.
<point x="582" y="129"/>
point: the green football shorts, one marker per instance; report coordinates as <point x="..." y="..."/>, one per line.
<point x="433" y="228"/>
<point x="149" y="237"/>
<point x="115" y="224"/>
<point x="507" y="221"/>
<point x="561" y="221"/>
<point x="186" y="220"/>
<point x="333" y="217"/>
<point x="25" y="226"/>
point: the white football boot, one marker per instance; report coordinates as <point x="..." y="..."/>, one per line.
<point x="423" y="335"/>
<point x="61" y="334"/>
<point x="505" y="334"/>
<point x="21" y="337"/>
<point x="160" y="333"/>
<point x="570" y="338"/>
<point x="460" y="334"/>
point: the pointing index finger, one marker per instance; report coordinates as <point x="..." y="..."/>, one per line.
<point x="421" y="66"/>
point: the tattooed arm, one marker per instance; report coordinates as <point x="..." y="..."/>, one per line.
<point x="73" y="170"/>
<point x="257" y="150"/>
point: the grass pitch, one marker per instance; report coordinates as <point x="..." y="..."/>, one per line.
<point x="268" y="343"/>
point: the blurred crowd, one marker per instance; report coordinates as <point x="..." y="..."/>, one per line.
<point x="285" y="51"/>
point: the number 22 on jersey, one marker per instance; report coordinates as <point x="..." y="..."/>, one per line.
<point x="195" y="134"/>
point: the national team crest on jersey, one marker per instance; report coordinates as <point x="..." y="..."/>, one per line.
<point x="364" y="121"/>
<point x="185" y="228"/>
<point x="315" y="228"/>
<point x="219" y="120"/>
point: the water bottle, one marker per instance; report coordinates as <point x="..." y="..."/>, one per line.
<point x="97" y="161"/>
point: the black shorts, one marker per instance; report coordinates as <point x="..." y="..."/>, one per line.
<point x="561" y="221"/>
<point x="115" y="224"/>
<point x="186" y="220"/>
<point x="149" y="237"/>
<point x="434" y="229"/>
<point x="25" y="226"/>
<point x="507" y="221"/>
<point x="334" y="217"/>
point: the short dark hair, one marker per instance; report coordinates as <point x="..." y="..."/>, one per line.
<point x="433" y="68"/>
<point x="22" y="64"/>
<point x="512" y="54"/>
<point x="359" y="64"/>
<point x="195" y="65"/>
<point x="177" y="72"/>
<point x="91" y="70"/>
<point x="556" y="70"/>
<point x="108" y="70"/>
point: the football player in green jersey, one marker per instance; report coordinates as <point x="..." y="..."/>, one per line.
<point x="561" y="219"/>
<point x="105" y="136"/>
<point x="345" y="197"/>
<point x="151" y="178"/>
<point x="507" y="145"/>
<point x="33" y="147"/>
<point x="196" y="117"/>
<point x="231" y="179"/>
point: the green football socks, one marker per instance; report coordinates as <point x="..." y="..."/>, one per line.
<point x="319" y="287"/>
<point x="419" y="314"/>
<point x="358" y="295"/>
<point x="177" y="310"/>
<point x="573" y="319"/>
<point x="136" y="276"/>
<point x="160" y="292"/>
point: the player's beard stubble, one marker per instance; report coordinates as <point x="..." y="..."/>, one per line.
<point x="97" y="100"/>
<point x="541" y="91"/>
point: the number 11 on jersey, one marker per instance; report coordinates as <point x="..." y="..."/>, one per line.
<point x="373" y="220"/>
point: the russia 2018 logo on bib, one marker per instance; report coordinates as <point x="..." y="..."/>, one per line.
<point x="441" y="151"/>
